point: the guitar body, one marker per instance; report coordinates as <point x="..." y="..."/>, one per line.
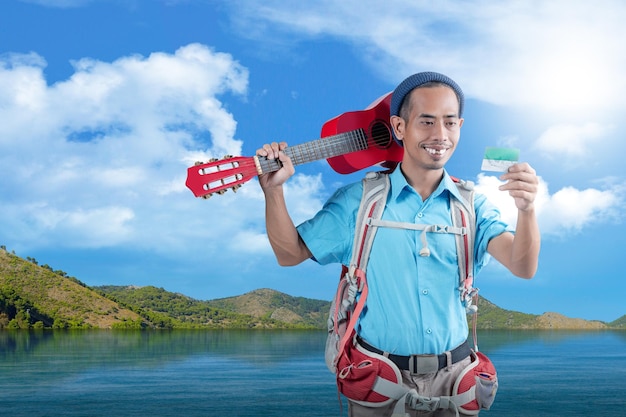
<point x="383" y="149"/>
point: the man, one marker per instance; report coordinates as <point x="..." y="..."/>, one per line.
<point x="413" y="306"/>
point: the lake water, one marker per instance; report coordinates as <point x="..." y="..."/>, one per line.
<point x="278" y="373"/>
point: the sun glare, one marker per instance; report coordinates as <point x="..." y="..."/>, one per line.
<point x="577" y="76"/>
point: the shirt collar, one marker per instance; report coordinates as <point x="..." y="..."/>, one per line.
<point x="399" y="185"/>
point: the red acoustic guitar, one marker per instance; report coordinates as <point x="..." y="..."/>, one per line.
<point x="350" y="142"/>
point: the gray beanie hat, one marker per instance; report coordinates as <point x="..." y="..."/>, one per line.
<point x="415" y="80"/>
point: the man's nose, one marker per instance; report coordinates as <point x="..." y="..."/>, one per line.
<point x="439" y="130"/>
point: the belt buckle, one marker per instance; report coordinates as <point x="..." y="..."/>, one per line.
<point x="423" y="364"/>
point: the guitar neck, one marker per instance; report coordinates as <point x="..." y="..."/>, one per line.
<point x="328" y="147"/>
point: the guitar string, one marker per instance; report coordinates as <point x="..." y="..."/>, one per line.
<point x="321" y="148"/>
<point x="333" y="145"/>
<point x="343" y="143"/>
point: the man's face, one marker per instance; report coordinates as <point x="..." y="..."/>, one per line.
<point x="432" y="129"/>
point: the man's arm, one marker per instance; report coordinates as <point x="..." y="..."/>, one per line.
<point x="520" y="252"/>
<point x="288" y="247"/>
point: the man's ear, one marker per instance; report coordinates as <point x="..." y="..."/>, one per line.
<point x="398" y="126"/>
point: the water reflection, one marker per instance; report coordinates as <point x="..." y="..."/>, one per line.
<point x="489" y="340"/>
<point x="103" y="346"/>
<point x="163" y="373"/>
<point x="211" y="373"/>
<point x="73" y="360"/>
<point x="256" y="346"/>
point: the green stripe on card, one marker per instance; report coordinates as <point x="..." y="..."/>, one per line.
<point x="501" y="154"/>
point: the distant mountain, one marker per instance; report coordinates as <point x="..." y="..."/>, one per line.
<point x="34" y="296"/>
<point x="276" y="305"/>
<point x="491" y="316"/>
<point x="270" y="303"/>
<point x="179" y="311"/>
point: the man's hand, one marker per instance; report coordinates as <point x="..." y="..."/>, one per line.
<point x="522" y="184"/>
<point x="275" y="179"/>
<point x="288" y="247"/>
<point x="519" y="252"/>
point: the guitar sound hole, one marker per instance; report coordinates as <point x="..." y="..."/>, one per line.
<point x="380" y="134"/>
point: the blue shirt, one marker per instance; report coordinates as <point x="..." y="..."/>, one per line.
<point x="414" y="304"/>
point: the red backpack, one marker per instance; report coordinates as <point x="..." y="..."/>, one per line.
<point x="371" y="379"/>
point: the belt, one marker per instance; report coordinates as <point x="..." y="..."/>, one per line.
<point x="422" y="364"/>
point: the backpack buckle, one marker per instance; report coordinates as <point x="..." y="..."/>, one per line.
<point x="439" y="228"/>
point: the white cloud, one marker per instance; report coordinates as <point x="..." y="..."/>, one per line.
<point x="566" y="212"/>
<point x="41" y="224"/>
<point x="572" y="140"/>
<point x="249" y="242"/>
<point x="303" y="194"/>
<point x="92" y="160"/>
<point x="570" y="210"/>
<point x="242" y="222"/>
<point x="560" y="56"/>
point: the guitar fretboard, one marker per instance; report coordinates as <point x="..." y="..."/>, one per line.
<point x="343" y="143"/>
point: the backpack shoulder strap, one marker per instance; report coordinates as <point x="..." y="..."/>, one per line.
<point x="375" y="190"/>
<point x="346" y="309"/>
<point x="464" y="217"/>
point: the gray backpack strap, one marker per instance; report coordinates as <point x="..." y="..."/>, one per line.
<point x="344" y="308"/>
<point x="375" y="190"/>
<point x="464" y="217"/>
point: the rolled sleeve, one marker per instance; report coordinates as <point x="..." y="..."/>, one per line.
<point x="329" y="235"/>
<point x="488" y="225"/>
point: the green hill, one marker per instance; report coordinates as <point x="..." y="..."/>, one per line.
<point x="491" y="316"/>
<point x="175" y="310"/>
<point x="34" y="296"/>
<point x="619" y="323"/>
<point x="276" y="305"/>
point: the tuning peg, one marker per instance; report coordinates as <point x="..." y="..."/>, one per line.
<point x="198" y="163"/>
<point x="236" y="187"/>
<point x="207" y="196"/>
<point x="220" y="192"/>
<point x="213" y="160"/>
<point x="227" y="156"/>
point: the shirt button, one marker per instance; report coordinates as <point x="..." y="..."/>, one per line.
<point x="429" y="331"/>
<point x="420" y="215"/>
<point x="425" y="292"/>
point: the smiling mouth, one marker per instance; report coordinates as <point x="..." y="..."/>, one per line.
<point x="436" y="152"/>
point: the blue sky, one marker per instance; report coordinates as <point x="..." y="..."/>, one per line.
<point x="104" y="105"/>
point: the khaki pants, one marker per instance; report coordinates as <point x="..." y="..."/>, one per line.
<point x="428" y="385"/>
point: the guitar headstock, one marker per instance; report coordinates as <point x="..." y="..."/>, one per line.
<point x="218" y="176"/>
